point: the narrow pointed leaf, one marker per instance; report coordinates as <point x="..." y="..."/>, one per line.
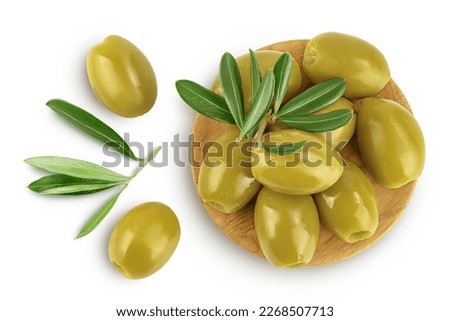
<point x="59" y="184"/>
<point x="204" y="101"/>
<point x="230" y="79"/>
<point x="282" y="72"/>
<point x="314" y="98"/>
<point x="284" y="149"/>
<point x="95" y="220"/>
<point x="91" y="125"/>
<point x="75" y="167"/>
<point x="260" y="105"/>
<point x="320" y="123"/>
<point x="254" y="73"/>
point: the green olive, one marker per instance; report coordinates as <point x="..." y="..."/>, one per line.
<point x="340" y="136"/>
<point x="225" y="180"/>
<point x="266" y="60"/>
<point x="311" y="169"/>
<point x="349" y="207"/>
<point x="144" y="240"/>
<point x="122" y="77"/>
<point x="390" y="141"/>
<point x="334" y="54"/>
<point x="287" y="227"/>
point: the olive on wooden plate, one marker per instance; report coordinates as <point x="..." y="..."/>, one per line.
<point x="225" y="180"/>
<point x="361" y="64"/>
<point x="391" y="142"/>
<point x="311" y="169"/>
<point x="349" y="207"/>
<point x="287" y="227"/>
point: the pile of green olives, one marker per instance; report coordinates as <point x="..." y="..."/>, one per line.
<point x="295" y="193"/>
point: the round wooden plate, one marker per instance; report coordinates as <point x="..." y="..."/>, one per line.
<point x="240" y="227"/>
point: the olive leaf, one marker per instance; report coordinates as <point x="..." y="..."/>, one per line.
<point x="91" y="125"/>
<point x="204" y="101"/>
<point x="230" y="79"/>
<point x="96" y="219"/>
<point x="320" y="123"/>
<point x="294" y="113"/>
<point x="284" y="149"/>
<point x="282" y="72"/>
<point x="254" y="73"/>
<point x="75" y="168"/>
<point x="77" y="177"/>
<point x="260" y="105"/>
<point x="314" y="98"/>
<point x="59" y="184"/>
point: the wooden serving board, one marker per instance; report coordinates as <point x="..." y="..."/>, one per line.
<point x="240" y="227"/>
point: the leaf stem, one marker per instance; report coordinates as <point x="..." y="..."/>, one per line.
<point x="261" y="129"/>
<point x="145" y="161"/>
<point x="100" y="215"/>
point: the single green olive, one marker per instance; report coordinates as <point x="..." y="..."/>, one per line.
<point x="334" y="54"/>
<point x="122" y="77"/>
<point x="311" y="169"/>
<point x="349" y="207"/>
<point x="390" y="141"/>
<point x="287" y="227"/>
<point x="266" y="61"/>
<point x="225" y="180"/>
<point x="144" y="240"/>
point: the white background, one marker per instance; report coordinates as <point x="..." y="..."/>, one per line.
<point x="45" y="274"/>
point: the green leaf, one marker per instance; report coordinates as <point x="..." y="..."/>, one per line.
<point x="284" y="149"/>
<point x="320" y="123"/>
<point x="230" y="79"/>
<point x="254" y="73"/>
<point x="95" y="220"/>
<point x="260" y="105"/>
<point x="314" y="98"/>
<point x="282" y="72"/>
<point x="75" y="167"/>
<point x="204" y="101"/>
<point x="91" y="125"/>
<point x="59" y="184"/>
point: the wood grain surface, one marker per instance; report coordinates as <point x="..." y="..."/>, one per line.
<point x="239" y="226"/>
